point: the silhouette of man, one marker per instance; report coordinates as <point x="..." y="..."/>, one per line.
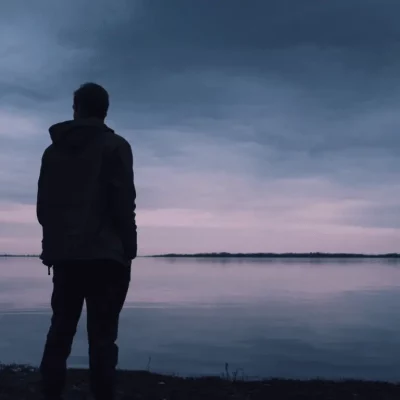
<point x="86" y="206"/>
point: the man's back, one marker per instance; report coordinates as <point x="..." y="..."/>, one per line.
<point x="86" y="194"/>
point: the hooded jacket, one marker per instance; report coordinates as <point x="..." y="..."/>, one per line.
<point x="86" y="195"/>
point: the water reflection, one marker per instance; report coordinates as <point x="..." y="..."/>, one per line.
<point x="292" y="318"/>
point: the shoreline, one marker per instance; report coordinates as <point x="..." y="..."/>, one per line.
<point x="280" y="255"/>
<point x="19" y="382"/>
<point x="311" y="255"/>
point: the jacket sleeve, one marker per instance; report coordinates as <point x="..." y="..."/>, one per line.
<point x="40" y="201"/>
<point x="123" y="197"/>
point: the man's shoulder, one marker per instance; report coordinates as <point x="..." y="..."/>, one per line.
<point x="111" y="142"/>
<point x="118" y="140"/>
<point x="48" y="151"/>
<point x="119" y="147"/>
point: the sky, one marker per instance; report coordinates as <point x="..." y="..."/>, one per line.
<point x="256" y="126"/>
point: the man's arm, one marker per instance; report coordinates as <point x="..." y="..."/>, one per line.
<point x="40" y="192"/>
<point x="123" y="197"/>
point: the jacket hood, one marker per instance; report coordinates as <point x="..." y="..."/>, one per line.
<point x="76" y="134"/>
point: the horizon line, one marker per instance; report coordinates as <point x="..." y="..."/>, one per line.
<point x="272" y="255"/>
<point x="250" y="254"/>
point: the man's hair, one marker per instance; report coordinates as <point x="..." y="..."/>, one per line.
<point x="91" y="100"/>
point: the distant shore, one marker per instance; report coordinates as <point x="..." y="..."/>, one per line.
<point x="23" y="382"/>
<point x="245" y="255"/>
<point x="276" y="255"/>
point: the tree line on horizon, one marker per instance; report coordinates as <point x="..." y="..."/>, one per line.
<point x="252" y="255"/>
<point x="283" y="255"/>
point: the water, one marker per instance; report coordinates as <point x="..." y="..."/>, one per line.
<point x="283" y="318"/>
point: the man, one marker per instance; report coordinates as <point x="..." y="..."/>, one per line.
<point x="86" y="206"/>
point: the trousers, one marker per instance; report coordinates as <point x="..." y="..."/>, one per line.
<point x="104" y="286"/>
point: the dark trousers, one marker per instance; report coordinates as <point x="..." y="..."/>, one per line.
<point x="103" y="285"/>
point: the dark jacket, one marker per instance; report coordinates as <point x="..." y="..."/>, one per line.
<point x="86" y="195"/>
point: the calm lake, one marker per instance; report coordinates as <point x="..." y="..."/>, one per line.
<point x="283" y="318"/>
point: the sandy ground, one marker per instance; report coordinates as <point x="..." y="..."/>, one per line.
<point x="22" y="382"/>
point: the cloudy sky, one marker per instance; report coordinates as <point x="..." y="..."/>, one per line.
<point x="256" y="125"/>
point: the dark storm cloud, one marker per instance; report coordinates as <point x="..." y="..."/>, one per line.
<point x="145" y="39"/>
<point x="301" y="76"/>
<point x="158" y="28"/>
<point x="179" y="60"/>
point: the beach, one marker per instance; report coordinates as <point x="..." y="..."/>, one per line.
<point x="19" y="382"/>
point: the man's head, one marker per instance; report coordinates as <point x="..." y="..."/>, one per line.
<point x="91" y="101"/>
